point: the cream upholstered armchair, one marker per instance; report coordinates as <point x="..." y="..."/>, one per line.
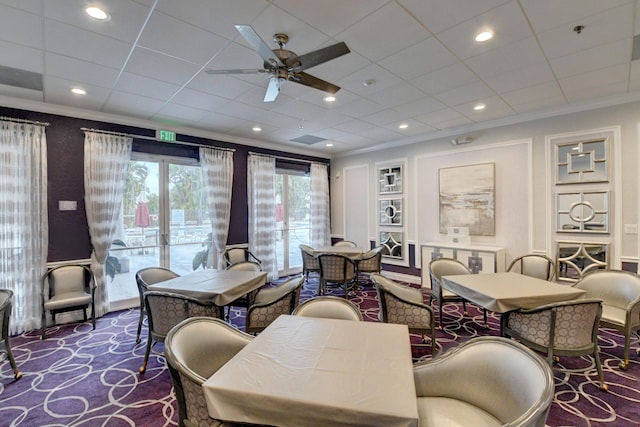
<point x="568" y="328"/>
<point x="195" y="349"/>
<point x="272" y="302"/>
<point x="620" y="295"/>
<point x="371" y="261"/>
<point x="236" y="255"/>
<point x="336" y="269"/>
<point x="405" y="305"/>
<point x="447" y="267"/>
<point x="6" y="299"/>
<point x="347" y="243"/>
<point x="165" y="310"/>
<point x="329" y="307"/>
<point x="310" y="263"/>
<point x="145" y="278"/>
<point x="68" y="288"/>
<point x="486" y="381"/>
<point x="534" y="265"/>
<point x="245" y="300"/>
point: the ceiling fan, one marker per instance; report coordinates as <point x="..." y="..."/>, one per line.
<point x="284" y="65"/>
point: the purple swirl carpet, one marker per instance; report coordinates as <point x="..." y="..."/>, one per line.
<point x="81" y="377"/>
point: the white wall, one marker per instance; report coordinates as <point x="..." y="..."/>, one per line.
<point x="523" y="222"/>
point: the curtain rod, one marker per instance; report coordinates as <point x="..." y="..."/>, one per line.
<point x="152" y="138"/>
<point x="31" y="122"/>
<point x="287" y="158"/>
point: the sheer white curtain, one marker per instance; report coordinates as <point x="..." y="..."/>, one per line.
<point x="24" y="235"/>
<point x="106" y="159"/>
<point x="217" y="175"/>
<point x="261" y="185"/>
<point x="320" y="216"/>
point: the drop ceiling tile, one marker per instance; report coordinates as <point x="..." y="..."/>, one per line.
<point x="132" y="104"/>
<point x="592" y="59"/>
<point x="423" y="105"/>
<point x="380" y="134"/>
<point x="549" y="90"/>
<point x="463" y="94"/>
<point x="224" y="86"/>
<point x="160" y="67"/>
<point x="445" y="79"/>
<point x="179" y="113"/>
<point x="422" y="58"/>
<point x="184" y="41"/>
<point x="507" y="22"/>
<point x="353" y="126"/>
<point x="359" y="107"/>
<point x="539" y="104"/>
<point x="77" y="43"/>
<point x="80" y="71"/>
<point x="240" y="110"/>
<point x="58" y="91"/>
<point x="21" y="57"/>
<point x="21" y="27"/>
<point x="446" y="115"/>
<point x="548" y="14"/>
<point x="32" y="6"/>
<point x="145" y="86"/>
<point x="521" y="78"/>
<point x="438" y="18"/>
<point x="397" y="95"/>
<point x="496" y="108"/>
<point x="384" y="117"/>
<point x="220" y="122"/>
<point x="341" y="67"/>
<point x="385" y="32"/>
<point x="514" y="56"/>
<point x="634" y="76"/>
<point x="21" y="93"/>
<point x="414" y="127"/>
<point x="196" y="99"/>
<point x="605" y="81"/>
<point x="381" y="78"/>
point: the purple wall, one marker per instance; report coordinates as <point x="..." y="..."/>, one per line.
<point x="68" y="230"/>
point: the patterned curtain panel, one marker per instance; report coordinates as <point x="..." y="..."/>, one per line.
<point x="106" y="159"/>
<point x="24" y="238"/>
<point x="320" y="216"/>
<point x="217" y="175"/>
<point x="261" y="183"/>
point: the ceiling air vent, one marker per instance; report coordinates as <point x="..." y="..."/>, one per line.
<point x="308" y="139"/>
<point x="20" y="78"/>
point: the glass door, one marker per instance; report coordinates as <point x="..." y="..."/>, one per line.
<point x="293" y="191"/>
<point x="164" y="222"/>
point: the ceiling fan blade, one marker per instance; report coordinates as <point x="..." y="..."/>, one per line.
<point x="314" y="82"/>
<point x="259" y="45"/>
<point x="317" y="57"/>
<point x="272" y="90"/>
<point x="236" y="71"/>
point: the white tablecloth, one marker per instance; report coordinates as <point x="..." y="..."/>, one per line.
<point x="349" y="251"/>
<point x="303" y="371"/>
<point x="219" y="287"/>
<point x="503" y="292"/>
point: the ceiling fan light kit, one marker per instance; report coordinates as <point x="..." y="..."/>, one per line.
<point x="283" y="64"/>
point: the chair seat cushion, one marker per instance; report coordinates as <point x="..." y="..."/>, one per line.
<point x="68" y="299"/>
<point x="267" y="295"/>
<point x="409" y="294"/>
<point x="443" y="411"/>
<point x="614" y="315"/>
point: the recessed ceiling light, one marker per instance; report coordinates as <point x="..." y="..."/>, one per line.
<point x="484" y="36"/>
<point x="257" y="128"/>
<point x="79" y="91"/>
<point x="97" y="13"/>
<point x="329" y="98"/>
<point x="479" y="107"/>
<point x="368" y="83"/>
<point x="403" y="126"/>
<point x="329" y="144"/>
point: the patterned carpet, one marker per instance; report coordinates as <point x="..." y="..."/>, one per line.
<point x="80" y="377"/>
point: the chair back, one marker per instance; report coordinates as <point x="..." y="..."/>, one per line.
<point x="68" y="279"/>
<point x="347" y="243"/>
<point x="336" y="268"/>
<point x="615" y="288"/>
<point x="245" y="266"/>
<point x="371" y="261"/>
<point x="329" y="307"/>
<point x="150" y="276"/>
<point x="236" y="255"/>
<point x="6" y="298"/>
<point x="272" y="302"/>
<point x="195" y="349"/>
<point x="444" y="267"/>
<point x="534" y="265"/>
<point x="497" y="375"/>
<point x="309" y="260"/>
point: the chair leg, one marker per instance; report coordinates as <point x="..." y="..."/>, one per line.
<point x="464" y="307"/>
<point x="596" y="358"/>
<point x="484" y="313"/>
<point x="93" y="315"/>
<point x="140" y="325"/>
<point x="16" y="373"/>
<point x="43" y="324"/>
<point x="143" y="368"/>
<point x="440" y="324"/>
<point x="624" y="364"/>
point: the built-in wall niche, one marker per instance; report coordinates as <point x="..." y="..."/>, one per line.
<point x="582" y="212"/>
<point x="584" y="161"/>
<point x="390" y="179"/>
<point x="390" y="211"/>
<point x="391" y="242"/>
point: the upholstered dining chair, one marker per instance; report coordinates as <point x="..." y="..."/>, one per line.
<point x="310" y="263"/>
<point x="568" y="328"/>
<point x="486" y="381"/>
<point x="370" y="262"/>
<point x="165" y="310"/>
<point x="328" y="307"/>
<point x="620" y="294"/>
<point x="246" y="300"/>
<point x="271" y="302"/>
<point x="67" y="288"/>
<point x="447" y="267"/>
<point x="405" y="305"/>
<point x="236" y="255"/>
<point x="337" y="270"/>
<point x="145" y="278"/>
<point x="534" y="265"/>
<point x="347" y="243"/>
<point x="6" y="300"/>
<point x="195" y="349"/>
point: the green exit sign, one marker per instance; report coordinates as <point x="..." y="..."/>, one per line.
<point x="165" y="135"/>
